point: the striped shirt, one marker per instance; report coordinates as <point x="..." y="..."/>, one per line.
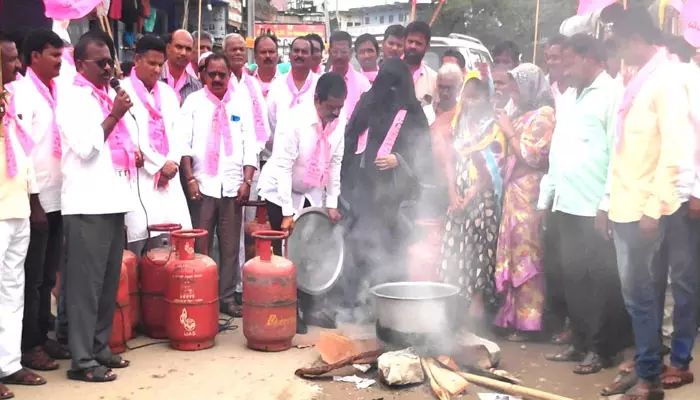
<point x="192" y="85"/>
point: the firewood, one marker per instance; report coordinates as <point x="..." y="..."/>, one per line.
<point x="439" y="391"/>
<point x="324" y="369"/>
<point x="447" y="379"/>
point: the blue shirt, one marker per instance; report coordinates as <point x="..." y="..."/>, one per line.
<point x="581" y="147"/>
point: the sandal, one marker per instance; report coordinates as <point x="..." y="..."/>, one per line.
<point x="621" y="384"/>
<point x="5" y="393"/>
<point x="23" y="377"/>
<point x="562" y="338"/>
<point x="98" y="374"/>
<point x="113" y="361"/>
<point x="592" y="364"/>
<point x="626" y="367"/>
<point x="56" y="350"/>
<point x="38" y="360"/>
<point x="644" y="391"/>
<point x="673" y="378"/>
<point x="570" y="354"/>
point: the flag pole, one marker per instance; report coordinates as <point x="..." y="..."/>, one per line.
<point x="437" y="11"/>
<point x="537" y="26"/>
<point x="199" y="29"/>
<point x="413" y="10"/>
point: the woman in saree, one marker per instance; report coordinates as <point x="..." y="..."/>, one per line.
<point x="387" y="154"/>
<point x="474" y="172"/>
<point x="519" y="269"/>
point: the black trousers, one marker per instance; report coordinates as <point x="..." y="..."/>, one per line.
<point x="44" y="257"/>
<point x="94" y="251"/>
<point x="555" y="306"/>
<point x="599" y="321"/>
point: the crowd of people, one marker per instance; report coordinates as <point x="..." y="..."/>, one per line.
<point x="568" y="198"/>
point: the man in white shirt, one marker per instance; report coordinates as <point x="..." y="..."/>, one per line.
<point x="340" y="51"/>
<point x="266" y="58"/>
<point x="217" y="125"/>
<point x="417" y="44"/>
<point x="16" y="184"/>
<point x="35" y="100"/>
<point x="294" y="88"/>
<point x="98" y="164"/>
<point x="152" y="127"/>
<point x="306" y="160"/>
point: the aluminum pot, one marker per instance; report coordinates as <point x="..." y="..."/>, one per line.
<point x="415" y="313"/>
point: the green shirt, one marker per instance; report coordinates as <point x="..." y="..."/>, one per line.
<point x="581" y="148"/>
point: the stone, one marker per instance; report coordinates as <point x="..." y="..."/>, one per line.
<point x="399" y="368"/>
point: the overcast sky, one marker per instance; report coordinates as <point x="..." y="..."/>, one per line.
<point x="347" y="4"/>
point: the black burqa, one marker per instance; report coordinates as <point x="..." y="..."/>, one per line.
<point x="380" y="205"/>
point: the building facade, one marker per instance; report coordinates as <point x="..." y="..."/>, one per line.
<point x="375" y="20"/>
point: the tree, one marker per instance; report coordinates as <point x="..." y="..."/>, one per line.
<point x="493" y="21"/>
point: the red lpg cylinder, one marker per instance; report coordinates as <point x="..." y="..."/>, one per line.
<point x="131" y="261"/>
<point x="153" y="278"/>
<point x="121" y="322"/>
<point x="260" y="223"/>
<point x="269" y="297"/>
<point x="424" y="257"/>
<point x="192" y="295"/>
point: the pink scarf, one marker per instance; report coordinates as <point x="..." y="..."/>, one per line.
<point x="265" y="85"/>
<point x="370" y="75"/>
<point x="353" y="95"/>
<point x="219" y="124"/>
<point x="68" y="56"/>
<point x="120" y="144"/>
<point x="50" y="97"/>
<point x="258" y="119"/>
<point x="634" y="87"/>
<point x="296" y="94"/>
<point x="389" y="140"/>
<point x="24" y="139"/>
<point x="69" y="9"/>
<point x="157" y="137"/>
<point x="181" y="81"/>
<point x="319" y="167"/>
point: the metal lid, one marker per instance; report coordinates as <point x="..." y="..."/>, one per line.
<point x="316" y="249"/>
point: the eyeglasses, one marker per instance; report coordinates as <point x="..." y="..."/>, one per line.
<point x="214" y="74"/>
<point x="103" y="62"/>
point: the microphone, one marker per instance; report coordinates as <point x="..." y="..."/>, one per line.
<point x="114" y="83"/>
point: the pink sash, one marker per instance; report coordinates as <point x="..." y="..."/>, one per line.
<point x="265" y="85"/>
<point x="181" y="81"/>
<point x="319" y="167"/>
<point x="418" y="73"/>
<point x="22" y="136"/>
<point x="634" y="87"/>
<point x="258" y="119"/>
<point x="296" y="94"/>
<point x="219" y="123"/>
<point x="370" y="75"/>
<point x="120" y="144"/>
<point x="157" y="137"/>
<point x="68" y="56"/>
<point x="50" y="97"/>
<point x="69" y="9"/>
<point x="389" y="140"/>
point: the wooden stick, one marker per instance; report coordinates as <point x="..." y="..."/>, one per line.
<point x="437" y="11"/>
<point x="537" y="31"/>
<point x="324" y="369"/>
<point x="199" y="29"/>
<point x="511" y="388"/>
<point x="439" y="391"/>
<point x="106" y="27"/>
<point x="413" y="10"/>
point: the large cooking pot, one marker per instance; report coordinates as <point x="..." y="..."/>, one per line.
<point x="419" y="314"/>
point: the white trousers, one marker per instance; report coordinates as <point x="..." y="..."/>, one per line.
<point x="14" y="242"/>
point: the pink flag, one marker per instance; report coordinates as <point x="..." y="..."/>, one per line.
<point x="691" y="22"/>
<point x="69" y="9"/>
<point x="590" y="6"/>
